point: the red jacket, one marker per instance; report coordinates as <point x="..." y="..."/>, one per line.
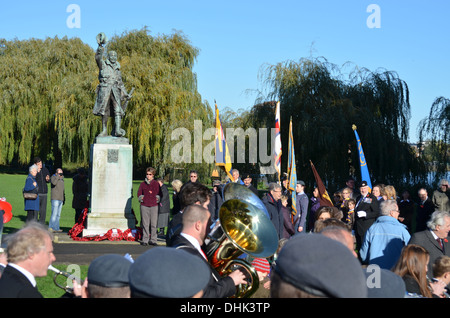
<point x="150" y="191"/>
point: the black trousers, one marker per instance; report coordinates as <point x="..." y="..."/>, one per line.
<point x="32" y="215"/>
<point x="42" y="207"/>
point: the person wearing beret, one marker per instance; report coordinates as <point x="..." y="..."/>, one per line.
<point x="311" y="266"/>
<point x="383" y="283"/>
<point x="248" y="183"/>
<point x="167" y="272"/>
<point x="107" y="277"/>
<point x="196" y="224"/>
<point x="367" y="210"/>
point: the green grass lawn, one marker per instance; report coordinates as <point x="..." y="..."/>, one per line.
<point x="11" y="186"/>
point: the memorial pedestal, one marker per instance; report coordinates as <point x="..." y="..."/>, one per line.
<point x="111" y="176"/>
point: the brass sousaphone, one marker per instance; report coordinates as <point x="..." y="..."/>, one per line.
<point x="245" y="228"/>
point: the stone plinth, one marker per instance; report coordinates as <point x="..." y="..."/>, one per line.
<point x="111" y="175"/>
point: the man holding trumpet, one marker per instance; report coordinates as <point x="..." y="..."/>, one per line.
<point x="30" y="253"/>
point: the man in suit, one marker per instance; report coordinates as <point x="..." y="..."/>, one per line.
<point x="424" y="209"/>
<point x="196" y="224"/>
<point x="367" y="210"/>
<point x="434" y="239"/>
<point x="30" y="253"/>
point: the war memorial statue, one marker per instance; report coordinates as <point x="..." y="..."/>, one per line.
<point x="112" y="97"/>
<point x="111" y="156"/>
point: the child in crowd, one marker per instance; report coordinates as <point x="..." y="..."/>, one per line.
<point x="262" y="268"/>
<point x="350" y="217"/>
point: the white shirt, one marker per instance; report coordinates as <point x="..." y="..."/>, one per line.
<point x="26" y="273"/>
<point x="434" y="235"/>
<point x="194" y="242"/>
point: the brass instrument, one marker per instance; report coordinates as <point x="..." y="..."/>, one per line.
<point x="67" y="275"/>
<point x="244" y="228"/>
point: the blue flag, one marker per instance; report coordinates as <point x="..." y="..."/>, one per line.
<point x="362" y="160"/>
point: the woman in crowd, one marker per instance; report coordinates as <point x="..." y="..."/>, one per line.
<point x="163" y="208"/>
<point x="149" y="194"/>
<point x="412" y="267"/>
<point x="389" y="193"/>
<point x="378" y="191"/>
<point x="176" y="186"/>
<point x="32" y="205"/>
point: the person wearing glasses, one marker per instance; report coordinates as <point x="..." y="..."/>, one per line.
<point x="272" y="201"/>
<point x="193" y="178"/>
<point x="385" y="239"/>
<point x="149" y="194"/>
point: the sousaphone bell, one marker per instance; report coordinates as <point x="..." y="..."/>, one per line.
<point x="244" y="228"/>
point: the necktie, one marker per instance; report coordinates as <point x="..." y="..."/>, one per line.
<point x="440" y="243"/>
<point x="203" y="253"/>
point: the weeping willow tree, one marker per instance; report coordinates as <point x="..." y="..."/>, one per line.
<point x="47" y="92"/>
<point x="436" y="129"/>
<point x="323" y="106"/>
<point x="48" y="89"/>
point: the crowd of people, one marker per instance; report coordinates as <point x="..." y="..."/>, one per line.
<point x="388" y="245"/>
<point x="37" y="182"/>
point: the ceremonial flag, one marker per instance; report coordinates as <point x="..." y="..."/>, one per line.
<point x="292" y="171"/>
<point x="277" y="150"/>
<point x="324" y="198"/>
<point x="222" y="154"/>
<point x="362" y="160"/>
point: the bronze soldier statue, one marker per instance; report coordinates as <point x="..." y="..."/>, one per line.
<point x="112" y="97"/>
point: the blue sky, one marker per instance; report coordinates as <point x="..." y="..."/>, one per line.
<point x="236" y="38"/>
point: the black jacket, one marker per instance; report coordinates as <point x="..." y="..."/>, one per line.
<point x="218" y="286"/>
<point x="164" y="207"/>
<point x="424" y="211"/>
<point x="371" y="206"/>
<point x="427" y="241"/>
<point x="275" y="214"/>
<point x="41" y="181"/>
<point x="13" y="284"/>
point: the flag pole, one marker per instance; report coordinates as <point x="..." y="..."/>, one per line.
<point x="277" y="150"/>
